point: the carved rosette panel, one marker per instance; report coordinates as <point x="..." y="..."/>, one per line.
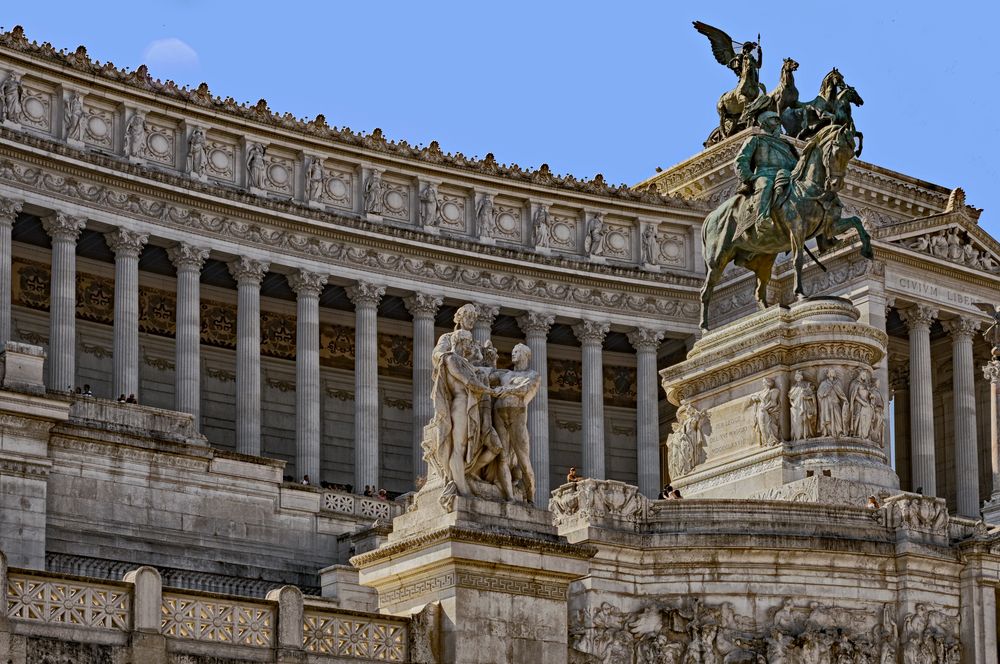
<point x="161" y="140"/>
<point x="338" y="188"/>
<point x="217" y="621"/>
<point x="564" y="232"/>
<point x="279" y="173"/>
<point x="673" y="250"/>
<point x="619" y="240"/>
<point x="507" y="223"/>
<point x="77" y="604"/>
<point x="452" y="211"/>
<point x="354" y="637"/>
<point x="36" y="106"/>
<point x="221" y="158"/>
<point x="396" y="200"/>
<point x="99" y="125"/>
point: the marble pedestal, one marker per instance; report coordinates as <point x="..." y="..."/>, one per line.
<point x="727" y="457"/>
<point x="499" y="572"/>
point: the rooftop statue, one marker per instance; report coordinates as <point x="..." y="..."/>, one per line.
<point x="746" y="66"/>
<point x="785" y="200"/>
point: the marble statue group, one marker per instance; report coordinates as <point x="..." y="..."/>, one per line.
<point x="477" y="441"/>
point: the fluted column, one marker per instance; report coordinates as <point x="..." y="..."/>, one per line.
<point x="366" y="297"/>
<point x="188" y="260"/>
<point x="64" y="231"/>
<point x="536" y="335"/>
<point x="901" y="420"/>
<point x="918" y="319"/>
<point x="591" y="335"/>
<point x="991" y="372"/>
<point x="645" y="342"/>
<point x="125" y="360"/>
<point x="307" y="286"/>
<point x="483" y="329"/>
<point x="9" y="209"/>
<point x="966" y="436"/>
<point x="423" y="308"/>
<point x="248" y="274"/>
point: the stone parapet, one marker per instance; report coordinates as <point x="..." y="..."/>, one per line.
<point x="82" y="620"/>
<point x="135" y="419"/>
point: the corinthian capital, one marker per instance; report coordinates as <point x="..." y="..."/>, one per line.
<point x="421" y="304"/>
<point x="535" y="323"/>
<point x="961" y="328"/>
<point x="125" y="244"/>
<point x="304" y="282"/>
<point x="248" y="271"/>
<point x="643" y="338"/>
<point x="486" y="313"/>
<point x="61" y="226"/>
<point x="9" y="209"/>
<point x="184" y="255"/>
<point x="591" y="332"/>
<point x="365" y="293"/>
<point x="919" y="315"/>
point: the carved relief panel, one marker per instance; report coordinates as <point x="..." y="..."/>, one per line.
<point x="100" y="124"/>
<point x="566" y="230"/>
<point x="161" y="140"/>
<point x="673" y="245"/>
<point x="396" y="198"/>
<point x="508" y="221"/>
<point x="222" y="150"/>
<point x="36" y="104"/>
<point x="338" y="185"/>
<point x="279" y="172"/>
<point x="453" y="208"/>
<point x="619" y="239"/>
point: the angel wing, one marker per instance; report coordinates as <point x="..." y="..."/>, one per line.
<point x="722" y="44"/>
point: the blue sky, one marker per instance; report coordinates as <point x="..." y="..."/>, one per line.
<point x="616" y="88"/>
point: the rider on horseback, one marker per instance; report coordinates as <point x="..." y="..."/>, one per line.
<point x="763" y="160"/>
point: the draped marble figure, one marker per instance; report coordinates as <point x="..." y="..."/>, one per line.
<point x="802" y="399"/>
<point x="477" y="441"/>
<point x="832" y="403"/>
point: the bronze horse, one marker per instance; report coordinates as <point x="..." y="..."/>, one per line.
<point x="808" y="208"/>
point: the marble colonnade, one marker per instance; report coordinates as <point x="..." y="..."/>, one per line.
<point x="189" y="260"/>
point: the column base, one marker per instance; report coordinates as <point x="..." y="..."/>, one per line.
<point x="499" y="572"/>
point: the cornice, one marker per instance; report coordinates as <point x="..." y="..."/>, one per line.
<point x="230" y="200"/>
<point x="553" y="546"/>
<point x="140" y="85"/>
<point x="354" y="242"/>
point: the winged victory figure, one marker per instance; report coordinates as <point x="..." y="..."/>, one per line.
<point x="746" y="65"/>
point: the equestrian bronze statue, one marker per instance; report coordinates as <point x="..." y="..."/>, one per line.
<point x="786" y="200"/>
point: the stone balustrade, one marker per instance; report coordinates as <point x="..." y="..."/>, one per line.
<point x="342" y="502"/>
<point x="47" y="611"/>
